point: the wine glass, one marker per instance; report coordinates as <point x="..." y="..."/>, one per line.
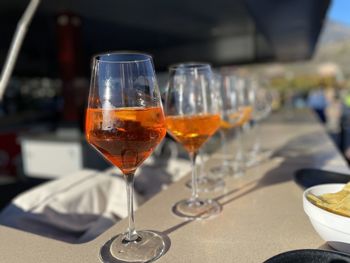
<point x="244" y="97"/>
<point x="261" y="101"/>
<point x="124" y="123"/>
<point x="192" y="117"/>
<point x="205" y="181"/>
<point x="231" y="118"/>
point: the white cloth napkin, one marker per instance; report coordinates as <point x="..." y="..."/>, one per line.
<point x="78" y="207"/>
<point x="74" y="208"/>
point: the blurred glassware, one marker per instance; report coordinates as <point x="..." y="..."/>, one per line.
<point x="261" y="101"/>
<point x="244" y="97"/>
<point x="233" y="115"/>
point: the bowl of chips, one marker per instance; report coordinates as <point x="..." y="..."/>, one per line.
<point x="328" y="208"/>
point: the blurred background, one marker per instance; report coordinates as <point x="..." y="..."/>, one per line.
<point x="299" y="49"/>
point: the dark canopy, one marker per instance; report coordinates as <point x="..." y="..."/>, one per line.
<point x="220" y="31"/>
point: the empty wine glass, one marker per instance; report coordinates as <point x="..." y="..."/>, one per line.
<point x="244" y="97"/>
<point x="231" y="118"/>
<point x="124" y="123"/>
<point x="261" y="101"/>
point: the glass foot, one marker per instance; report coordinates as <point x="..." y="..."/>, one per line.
<point x="227" y="170"/>
<point x="206" y="184"/>
<point x="222" y="171"/>
<point x="148" y="247"/>
<point x="198" y="209"/>
<point x="255" y="158"/>
<point x="239" y="169"/>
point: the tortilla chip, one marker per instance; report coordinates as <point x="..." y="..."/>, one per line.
<point x="314" y="199"/>
<point x="338" y="203"/>
<point x="334" y="198"/>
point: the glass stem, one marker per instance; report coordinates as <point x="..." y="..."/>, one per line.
<point x="223" y="139"/>
<point x="194" y="196"/>
<point x="131" y="234"/>
<point x="257" y="138"/>
<point x="239" y="159"/>
<point x="201" y="167"/>
<point x="240" y="144"/>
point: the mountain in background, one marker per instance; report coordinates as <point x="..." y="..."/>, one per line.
<point x="334" y="45"/>
<point x="334" y="32"/>
<point x="332" y="51"/>
<point x="332" y="56"/>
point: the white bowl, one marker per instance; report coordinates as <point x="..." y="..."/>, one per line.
<point x="333" y="228"/>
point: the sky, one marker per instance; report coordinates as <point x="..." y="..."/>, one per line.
<point x="340" y="11"/>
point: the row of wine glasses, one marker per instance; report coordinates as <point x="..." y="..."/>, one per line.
<point x="242" y="105"/>
<point x="254" y="105"/>
<point x="236" y="112"/>
<point x="125" y="121"/>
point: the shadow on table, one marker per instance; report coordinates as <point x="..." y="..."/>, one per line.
<point x="325" y="246"/>
<point x="341" y="246"/>
<point x="295" y="157"/>
<point x="296" y="154"/>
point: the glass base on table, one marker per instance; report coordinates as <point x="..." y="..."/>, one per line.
<point x="222" y="171"/>
<point x="256" y="158"/>
<point x="147" y="247"/>
<point x="206" y="184"/>
<point x="236" y="170"/>
<point x="197" y="209"/>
